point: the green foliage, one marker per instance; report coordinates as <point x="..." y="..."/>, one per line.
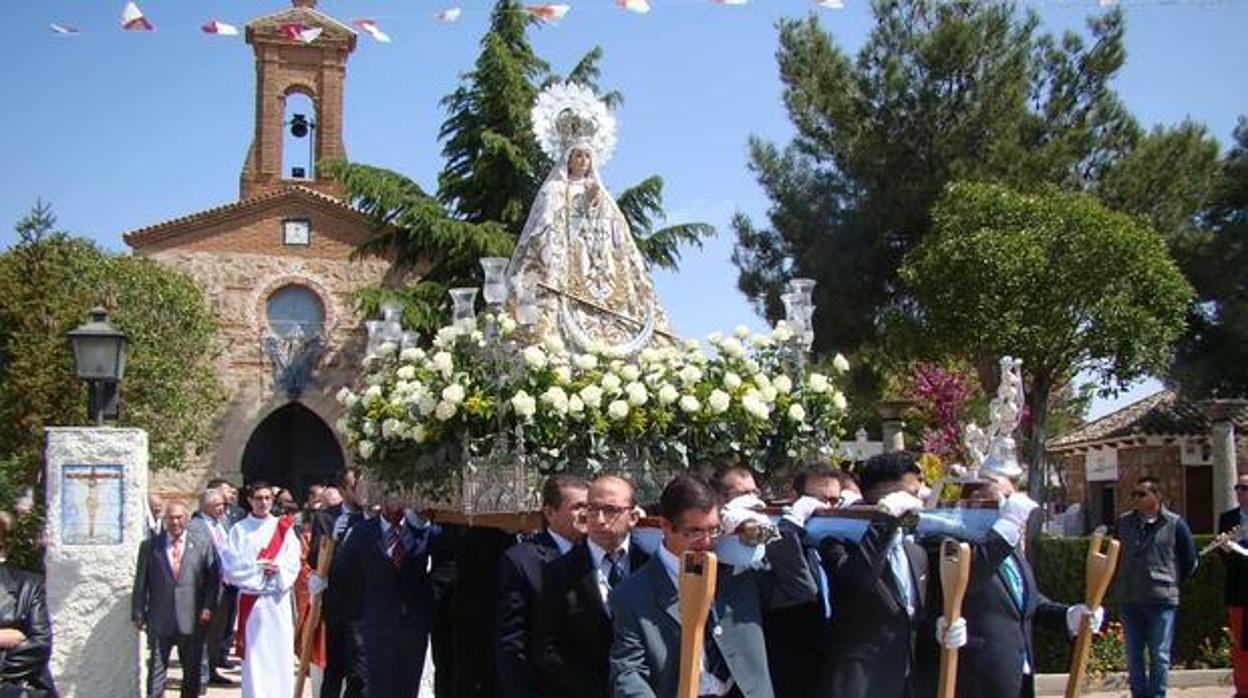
<point x="1054" y="279"/>
<point x="1212" y="358"/>
<point x="1059" y="568"/>
<point x="48" y="282"/>
<point x="491" y="176"/>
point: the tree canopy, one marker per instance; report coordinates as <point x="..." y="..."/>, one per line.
<point x="1055" y="279"/>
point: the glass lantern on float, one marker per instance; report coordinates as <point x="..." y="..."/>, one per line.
<point x="799" y="313"/>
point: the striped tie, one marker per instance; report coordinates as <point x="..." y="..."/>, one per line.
<point x="396" y="547"/>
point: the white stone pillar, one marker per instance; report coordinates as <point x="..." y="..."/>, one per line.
<point x="892" y="424"/>
<point x="1222" y="442"/>
<point x="97" y="497"/>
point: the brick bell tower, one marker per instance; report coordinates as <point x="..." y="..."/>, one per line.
<point x="299" y="51"/>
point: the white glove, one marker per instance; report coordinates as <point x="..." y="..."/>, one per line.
<point x="951" y="637"/>
<point x="1075" y="614"/>
<point x="1012" y="517"/>
<point x="1234" y="547"/>
<point x="900" y="503"/>
<point x="316" y="584"/>
<point x="799" y="512"/>
<point x="849" y="497"/>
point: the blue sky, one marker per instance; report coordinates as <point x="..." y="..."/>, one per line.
<point x="119" y="130"/>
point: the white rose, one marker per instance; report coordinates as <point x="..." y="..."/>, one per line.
<point x="840" y="363"/>
<point x="618" y="409"/>
<point x="761" y="380"/>
<point x="443" y="362"/>
<point x="818" y="382"/>
<point x="556" y="398"/>
<point x="637" y="395"/>
<point x="649" y="355"/>
<point x="783" y="384"/>
<point x="838" y="400"/>
<point x="719" y="401"/>
<point x="554" y="344"/>
<point x="507" y="325"/>
<point x="524" y="405"/>
<point x="630" y="372"/>
<point x="365" y="449"/>
<point x="689" y="403"/>
<point x="797" y="413"/>
<point x="445" y="410"/>
<point x="611" y="383"/>
<point x="668" y="394"/>
<point x="591" y="395"/>
<point x="752" y="366"/>
<point x="595" y="347"/>
<point x="446" y="336"/>
<point x="411" y="355"/>
<point x="351" y="400"/>
<point x="768" y="393"/>
<point x="761" y="341"/>
<point x="369" y="427"/>
<point x="390" y="428"/>
<point x="406" y="373"/>
<point x="534" y="357"/>
<point x="387" y="348"/>
<point x="732" y="381"/>
<point x="372" y="395"/>
<point x="586" y="362"/>
<point x="427" y="405"/>
<point x="397" y="402"/>
<point x="732" y="347"/>
<point x="690" y="375"/>
<point x="783" y="332"/>
<point x="418" y="433"/>
<point x="741" y="332"/>
<point x="753" y="403"/>
<point x="576" y="405"/>
<point x="343" y="395"/>
<point x="341" y="425"/>
<point x="453" y="393"/>
<point x="692" y="345"/>
<point x="563" y="374"/>
<point x="715" y="338"/>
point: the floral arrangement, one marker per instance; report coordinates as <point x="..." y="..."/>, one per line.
<point x="422" y="414"/>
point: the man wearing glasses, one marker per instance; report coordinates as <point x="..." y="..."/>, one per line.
<point x="645" y="655"/>
<point x="1158" y="555"/>
<point x="573" y="634"/>
<point x="1235" y="555"/>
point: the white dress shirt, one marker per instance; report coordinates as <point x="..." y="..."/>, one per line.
<point x="563" y="544"/>
<point x="708" y="683"/>
<point x="602" y="566"/>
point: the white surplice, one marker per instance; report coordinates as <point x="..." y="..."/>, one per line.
<point x="269" y="660"/>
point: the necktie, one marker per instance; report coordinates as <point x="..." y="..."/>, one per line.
<point x="901" y="573"/>
<point x="1015" y="579"/>
<point x="396" y="547"/>
<point x="716" y="665"/>
<point x="615" y="572"/>
<point x="821" y="578"/>
<point x="177" y="557"/>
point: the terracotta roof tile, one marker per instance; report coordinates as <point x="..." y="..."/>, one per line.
<point x="1162" y="413"/>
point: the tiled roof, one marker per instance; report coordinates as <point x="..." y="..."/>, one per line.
<point x="1162" y="413"/>
<point x="156" y="232"/>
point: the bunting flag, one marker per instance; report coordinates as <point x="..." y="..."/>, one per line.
<point x="549" y="13"/>
<point x="449" y="15"/>
<point x="63" y="30"/>
<point x="218" y="27"/>
<point x="370" y="27"/>
<point x="298" y="31"/>
<point x="640" y="7"/>
<point x="132" y="19"/>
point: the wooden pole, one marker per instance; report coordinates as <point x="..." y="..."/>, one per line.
<point x="1100" y="571"/>
<point x="955" y="573"/>
<point x="325" y="555"/>
<point x="697" y="591"/>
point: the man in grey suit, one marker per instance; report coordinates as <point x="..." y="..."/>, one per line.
<point x="176" y="585"/>
<point x="645" y="652"/>
<point x="211" y="524"/>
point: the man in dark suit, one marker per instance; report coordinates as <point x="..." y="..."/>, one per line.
<point x="564" y="498"/>
<point x="573" y="628"/>
<point x="1235" y="556"/>
<point x="345" y="662"/>
<point x="878" y="587"/>
<point x="383" y="562"/>
<point x="211" y="524"/>
<point x="755" y="571"/>
<point x="176" y="585"/>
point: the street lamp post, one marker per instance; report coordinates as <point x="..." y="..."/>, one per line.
<point x="100" y="352"/>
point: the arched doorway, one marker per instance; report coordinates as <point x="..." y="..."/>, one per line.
<point x="292" y="448"/>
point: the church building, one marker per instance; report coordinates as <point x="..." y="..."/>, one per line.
<point x="275" y="265"/>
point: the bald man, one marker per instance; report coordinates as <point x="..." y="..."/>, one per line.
<point x="573" y="638"/>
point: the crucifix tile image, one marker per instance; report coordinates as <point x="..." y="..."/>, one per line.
<point x="92" y="504"/>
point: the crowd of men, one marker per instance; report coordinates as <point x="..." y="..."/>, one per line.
<point x="582" y="609"/>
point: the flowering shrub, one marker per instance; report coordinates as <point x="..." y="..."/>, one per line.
<point x="419" y="412"/>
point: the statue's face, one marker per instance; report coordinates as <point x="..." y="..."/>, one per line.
<point x="579" y="162"/>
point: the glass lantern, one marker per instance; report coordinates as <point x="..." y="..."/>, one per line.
<point x="495" y="287"/>
<point x="463" y="308"/>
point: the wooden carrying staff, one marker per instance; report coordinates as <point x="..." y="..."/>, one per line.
<point x="697" y="592"/>
<point x="325" y="554"/>
<point x="1100" y="571"/>
<point x="955" y="573"/>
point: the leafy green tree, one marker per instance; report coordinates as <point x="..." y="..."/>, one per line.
<point x="1055" y="279"/>
<point x="940" y="92"/>
<point x="1212" y="357"/>
<point x="48" y="282"/>
<point x="491" y="176"/>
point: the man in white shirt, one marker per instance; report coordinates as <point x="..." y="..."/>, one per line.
<point x="573" y="637"/>
<point x="261" y="558"/>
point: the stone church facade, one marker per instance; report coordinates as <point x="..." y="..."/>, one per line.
<point x="276" y="268"/>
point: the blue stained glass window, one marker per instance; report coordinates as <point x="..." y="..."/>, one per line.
<point x="295" y="306"/>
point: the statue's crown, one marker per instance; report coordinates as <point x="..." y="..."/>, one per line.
<point x="575" y="128"/>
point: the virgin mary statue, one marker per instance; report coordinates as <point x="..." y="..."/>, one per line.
<point x="576" y="253"/>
